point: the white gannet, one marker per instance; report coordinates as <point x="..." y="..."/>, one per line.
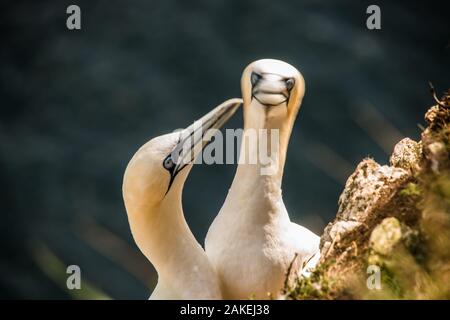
<point x="152" y="192"/>
<point x="252" y="242"/>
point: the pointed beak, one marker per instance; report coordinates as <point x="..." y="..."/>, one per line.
<point x="271" y="89"/>
<point x="195" y="137"/>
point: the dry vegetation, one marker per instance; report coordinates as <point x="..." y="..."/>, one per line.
<point x="394" y="217"/>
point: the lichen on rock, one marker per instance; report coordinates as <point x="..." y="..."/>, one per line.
<point x="407" y="155"/>
<point x="396" y="218"/>
<point x="386" y="236"/>
<point x="367" y="197"/>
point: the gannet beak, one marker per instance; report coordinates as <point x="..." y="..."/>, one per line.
<point x="195" y="137"/>
<point x="271" y="89"/>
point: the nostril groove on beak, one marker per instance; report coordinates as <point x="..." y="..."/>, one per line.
<point x="290" y="83"/>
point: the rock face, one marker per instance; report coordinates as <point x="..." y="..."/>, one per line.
<point x="407" y="155"/>
<point x="386" y="236"/>
<point x="396" y="218"/>
<point x="386" y="239"/>
<point x="370" y="194"/>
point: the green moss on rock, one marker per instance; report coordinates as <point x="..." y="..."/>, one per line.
<point x="396" y="218"/>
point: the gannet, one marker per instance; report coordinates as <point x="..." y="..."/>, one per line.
<point x="252" y="242"/>
<point x="152" y="191"/>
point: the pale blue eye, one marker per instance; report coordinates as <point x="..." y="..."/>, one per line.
<point x="168" y="163"/>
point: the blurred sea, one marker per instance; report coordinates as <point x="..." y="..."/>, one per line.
<point x="76" y="105"/>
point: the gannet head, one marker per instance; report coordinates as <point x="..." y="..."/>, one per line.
<point x="160" y="167"/>
<point x="274" y="87"/>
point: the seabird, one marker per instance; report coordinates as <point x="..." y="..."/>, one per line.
<point x="252" y="242"/>
<point x="152" y="192"/>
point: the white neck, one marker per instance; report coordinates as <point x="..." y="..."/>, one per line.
<point x="166" y="240"/>
<point x="250" y="186"/>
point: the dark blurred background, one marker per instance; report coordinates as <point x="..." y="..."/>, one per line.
<point x="76" y="105"/>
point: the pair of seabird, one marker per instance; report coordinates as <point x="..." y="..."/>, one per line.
<point x="252" y="242"/>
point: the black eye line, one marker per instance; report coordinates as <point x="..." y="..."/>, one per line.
<point x="164" y="163"/>
<point x="255" y="75"/>
<point x="172" y="175"/>
<point x="285" y="79"/>
<point x="293" y="83"/>
<point x="171" y="172"/>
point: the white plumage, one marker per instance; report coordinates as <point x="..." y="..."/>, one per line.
<point x="152" y="191"/>
<point x="252" y="241"/>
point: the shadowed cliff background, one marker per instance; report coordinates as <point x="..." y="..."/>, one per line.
<point x="76" y="105"/>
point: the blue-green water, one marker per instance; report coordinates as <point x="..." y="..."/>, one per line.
<point x="75" y="106"/>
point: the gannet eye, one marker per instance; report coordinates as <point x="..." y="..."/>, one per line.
<point x="254" y="78"/>
<point x="168" y="163"/>
<point x="290" y="83"/>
